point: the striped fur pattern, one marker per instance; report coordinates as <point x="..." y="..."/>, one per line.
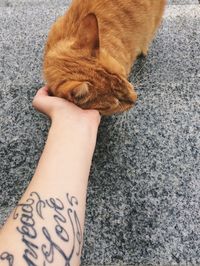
<point x="90" y="51"/>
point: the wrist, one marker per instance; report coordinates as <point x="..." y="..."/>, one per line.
<point x="81" y="130"/>
<point x="87" y="121"/>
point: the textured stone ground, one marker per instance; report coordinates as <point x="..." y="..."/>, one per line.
<point x="143" y="204"/>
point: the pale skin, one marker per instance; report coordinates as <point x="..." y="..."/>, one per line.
<point x="46" y="227"/>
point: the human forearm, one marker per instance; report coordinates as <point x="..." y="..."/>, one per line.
<point x="67" y="156"/>
<point x="47" y="224"/>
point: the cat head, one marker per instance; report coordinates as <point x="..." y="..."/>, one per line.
<point x="74" y="70"/>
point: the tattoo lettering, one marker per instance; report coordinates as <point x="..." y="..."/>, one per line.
<point x="66" y="229"/>
<point x="8" y="258"/>
<point x="27" y="228"/>
<point x="58" y="206"/>
<point x="49" y="253"/>
<point x="61" y="232"/>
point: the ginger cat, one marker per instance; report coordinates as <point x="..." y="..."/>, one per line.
<point x="90" y="51"/>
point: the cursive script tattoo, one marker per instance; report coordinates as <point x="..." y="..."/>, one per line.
<point x="27" y="226"/>
<point x="60" y="220"/>
<point x="7" y="258"/>
<point x="58" y="206"/>
<point x="65" y="234"/>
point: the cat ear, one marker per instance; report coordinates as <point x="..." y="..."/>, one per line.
<point x="88" y="34"/>
<point x="73" y="90"/>
<point x="79" y="92"/>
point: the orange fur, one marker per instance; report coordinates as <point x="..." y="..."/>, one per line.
<point x="90" y="51"/>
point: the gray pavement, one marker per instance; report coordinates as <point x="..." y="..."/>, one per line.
<point x="143" y="205"/>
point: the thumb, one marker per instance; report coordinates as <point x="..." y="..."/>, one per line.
<point x="40" y="101"/>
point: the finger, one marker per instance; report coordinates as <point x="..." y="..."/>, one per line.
<point x="42" y="92"/>
<point x="39" y="97"/>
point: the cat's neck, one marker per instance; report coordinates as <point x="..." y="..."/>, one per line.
<point x="117" y="62"/>
<point x="122" y="50"/>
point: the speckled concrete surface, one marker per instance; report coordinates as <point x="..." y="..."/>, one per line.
<point x="183" y="2"/>
<point x="144" y="192"/>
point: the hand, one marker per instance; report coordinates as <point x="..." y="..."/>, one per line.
<point x="60" y="109"/>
